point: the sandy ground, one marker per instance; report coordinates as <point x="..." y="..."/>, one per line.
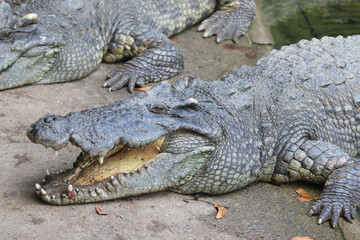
<point x="259" y="211"/>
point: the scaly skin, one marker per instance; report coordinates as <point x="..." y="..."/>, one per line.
<point x="69" y="39"/>
<point x="293" y="116"/>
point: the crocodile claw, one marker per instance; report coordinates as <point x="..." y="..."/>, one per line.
<point x="124" y="75"/>
<point x="331" y="205"/>
<point x="228" y="24"/>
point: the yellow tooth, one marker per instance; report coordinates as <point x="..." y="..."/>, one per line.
<point x="101" y="160"/>
<point x="56" y="153"/>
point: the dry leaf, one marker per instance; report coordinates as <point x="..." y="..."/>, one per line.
<point x="99" y="211"/>
<point x="304" y="195"/>
<point x="143" y="88"/>
<point x="221" y="211"/>
<point x="30" y="96"/>
<point x="174" y="41"/>
<point x="304" y="199"/>
<point x="301" y="191"/>
<point x="302" y="238"/>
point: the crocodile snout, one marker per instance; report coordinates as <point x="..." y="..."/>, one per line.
<point x="50" y="131"/>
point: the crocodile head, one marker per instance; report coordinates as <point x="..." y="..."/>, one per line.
<point x="27" y="51"/>
<point x="170" y="137"/>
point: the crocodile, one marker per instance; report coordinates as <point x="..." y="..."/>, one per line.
<point x="54" y="41"/>
<point x="295" y="115"/>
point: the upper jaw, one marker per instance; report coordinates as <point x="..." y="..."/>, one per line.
<point x="97" y="131"/>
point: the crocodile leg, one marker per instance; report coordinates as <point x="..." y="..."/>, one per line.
<point x="156" y="58"/>
<point x="319" y="162"/>
<point x="231" y="21"/>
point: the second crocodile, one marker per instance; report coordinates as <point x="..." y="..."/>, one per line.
<point x="61" y="40"/>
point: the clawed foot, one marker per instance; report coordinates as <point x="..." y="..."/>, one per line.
<point x="334" y="204"/>
<point x="229" y="24"/>
<point x="125" y="75"/>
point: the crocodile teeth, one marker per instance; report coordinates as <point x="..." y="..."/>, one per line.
<point x="70" y="188"/>
<point x="320" y="221"/>
<point x="101" y="160"/>
<point x="43" y="192"/>
<point x="157" y="148"/>
<point x="37" y="186"/>
<point x="47" y="172"/>
<point x="56" y="153"/>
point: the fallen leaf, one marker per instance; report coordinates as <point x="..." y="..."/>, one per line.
<point x="301" y="191"/>
<point x="99" y="211"/>
<point x="30" y="96"/>
<point x="302" y="238"/>
<point x="304" y="195"/>
<point x="221" y="211"/>
<point x="303" y="199"/>
<point x="143" y="88"/>
<point x="174" y="41"/>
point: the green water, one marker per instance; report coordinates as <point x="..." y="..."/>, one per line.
<point x="293" y="20"/>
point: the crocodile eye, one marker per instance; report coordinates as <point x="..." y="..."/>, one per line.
<point x="5" y="35"/>
<point x="158" y="108"/>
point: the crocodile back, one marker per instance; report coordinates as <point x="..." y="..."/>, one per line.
<point x="310" y="89"/>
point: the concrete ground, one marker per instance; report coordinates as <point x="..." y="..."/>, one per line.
<point x="259" y="211"/>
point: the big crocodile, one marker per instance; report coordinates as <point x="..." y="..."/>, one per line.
<point x="52" y="41"/>
<point x="295" y="115"/>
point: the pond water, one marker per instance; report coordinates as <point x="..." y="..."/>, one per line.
<point x="293" y="20"/>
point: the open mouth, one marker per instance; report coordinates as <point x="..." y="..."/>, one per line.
<point x="121" y="159"/>
<point x="127" y="171"/>
<point x="88" y="170"/>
